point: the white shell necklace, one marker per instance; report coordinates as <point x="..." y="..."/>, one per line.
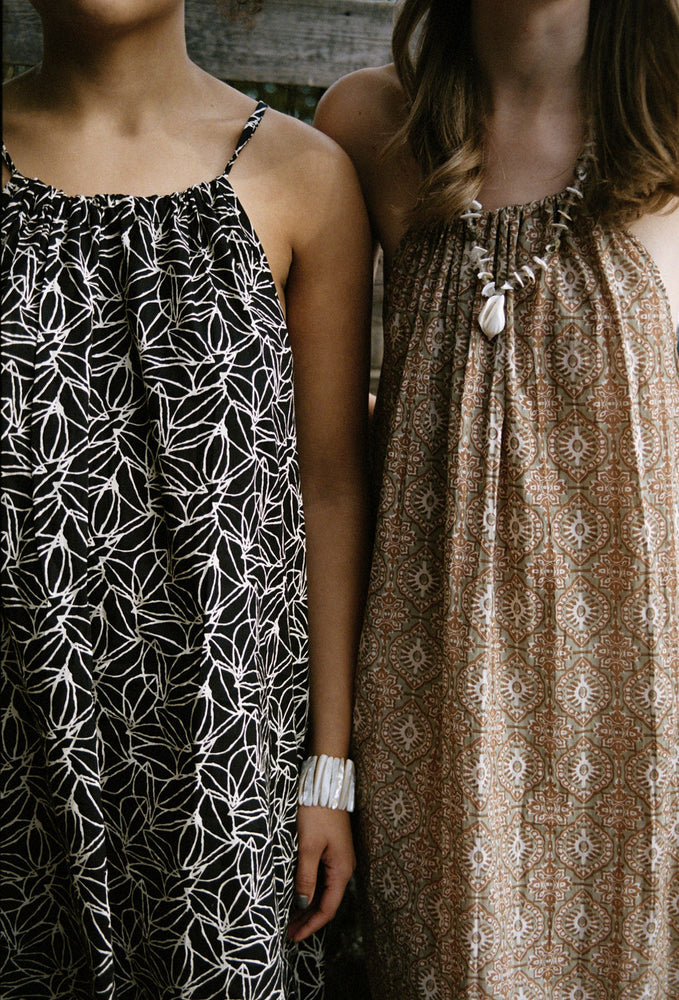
<point x="491" y="316"/>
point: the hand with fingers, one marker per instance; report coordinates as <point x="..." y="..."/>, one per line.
<point x="325" y="864"/>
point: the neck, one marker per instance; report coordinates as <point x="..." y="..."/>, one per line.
<point x="530" y="51"/>
<point x="115" y="72"/>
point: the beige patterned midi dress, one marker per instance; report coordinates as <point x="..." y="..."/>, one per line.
<point x="517" y="718"/>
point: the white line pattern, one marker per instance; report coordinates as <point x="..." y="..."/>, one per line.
<point x="154" y="690"/>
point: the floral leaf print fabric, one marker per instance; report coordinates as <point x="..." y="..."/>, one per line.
<point x="517" y="720"/>
<point x="154" y="626"/>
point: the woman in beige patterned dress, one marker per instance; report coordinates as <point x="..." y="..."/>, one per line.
<point x="517" y="726"/>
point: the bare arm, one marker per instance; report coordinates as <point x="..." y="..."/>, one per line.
<point x="660" y="235"/>
<point x="362" y="112"/>
<point x="328" y="311"/>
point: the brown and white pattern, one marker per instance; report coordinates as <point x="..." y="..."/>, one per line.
<point x="517" y="721"/>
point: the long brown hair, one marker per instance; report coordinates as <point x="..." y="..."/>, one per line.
<point x="631" y="92"/>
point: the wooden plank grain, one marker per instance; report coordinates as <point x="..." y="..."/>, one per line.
<point x="308" y="42"/>
<point x="21" y="34"/>
<point x="304" y="42"/>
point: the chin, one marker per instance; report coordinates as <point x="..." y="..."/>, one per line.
<point x="104" y="13"/>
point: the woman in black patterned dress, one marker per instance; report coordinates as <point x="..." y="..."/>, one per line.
<point x="154" y="644"/>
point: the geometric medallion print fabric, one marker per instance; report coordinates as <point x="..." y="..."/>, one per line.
<point x="517" y="719"/>
<point x="154" y="683"/>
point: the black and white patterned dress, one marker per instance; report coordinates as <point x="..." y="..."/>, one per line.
<point x="154" y="682"/>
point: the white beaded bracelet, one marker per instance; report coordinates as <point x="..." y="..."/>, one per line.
<point x="327" y="781"/>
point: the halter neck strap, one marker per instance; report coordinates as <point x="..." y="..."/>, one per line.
<point x="7" y="159"/>
<point x="249" y="130"/>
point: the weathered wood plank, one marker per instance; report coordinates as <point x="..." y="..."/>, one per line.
<point x="307" y="42"/>
<point x="21" y="35"/>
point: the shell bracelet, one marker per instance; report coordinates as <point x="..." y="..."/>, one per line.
<point x="327" y="781"/>
<point x="492" y="317"/>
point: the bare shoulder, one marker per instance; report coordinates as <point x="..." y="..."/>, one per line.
<point x="304" y="175"/>
<point x="17" y="114"/>
<point x="659" y="233"/>
<point x="301" y="193"/>
<point x="301" y="153"/>
<point x="16" y="92"/>
<point x="363" y="110"/>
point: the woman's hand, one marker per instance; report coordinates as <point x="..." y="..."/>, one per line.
<point x="325" y="863"/>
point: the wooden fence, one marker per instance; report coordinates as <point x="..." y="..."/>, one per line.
<point x="287" y="42"/>
<point x="303" y="42"/>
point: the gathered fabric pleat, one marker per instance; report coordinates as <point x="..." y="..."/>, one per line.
<point x="517" y="716"/>
<point x="154" y="651"/>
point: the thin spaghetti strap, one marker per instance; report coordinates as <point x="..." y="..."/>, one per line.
<point x="249" y="130"/>
<point x="7" y="160"/>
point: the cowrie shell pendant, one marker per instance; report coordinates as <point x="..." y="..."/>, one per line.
<point x="492" y="315"/>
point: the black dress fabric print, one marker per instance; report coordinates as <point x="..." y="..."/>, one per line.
<point x="154" y="683"/>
